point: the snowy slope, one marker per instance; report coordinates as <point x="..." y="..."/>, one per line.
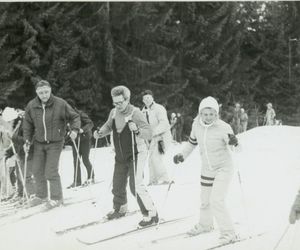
<point x="269" y="167"/>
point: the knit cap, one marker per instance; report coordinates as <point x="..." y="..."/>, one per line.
<point x="209" y="102"/>
<point x="9" y="114"/>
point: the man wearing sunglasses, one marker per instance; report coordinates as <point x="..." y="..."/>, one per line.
<point x="130" y="131"/>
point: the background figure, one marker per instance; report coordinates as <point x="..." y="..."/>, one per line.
<point x="173" y="122"/>
<point x="6" y="188"/>
<point x="236" y="119"/>
<point x="85" y="135"/>
<point x="16" y="119"/>
<point x="45" y="122"/>
<point x="157" y="117"/>
<point x="179" y="127"/>
<point x="244" y="121"/>
<point x="295" y="210"/>
<point x="269" y="118"/>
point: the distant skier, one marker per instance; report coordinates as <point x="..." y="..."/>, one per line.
<point x="130" y="130"/>
<point x="173" y="122"/>
<point x="157" y="117"/>
<point x="244" y="121"/>
<point x="179" y="127"/>
<point x="269" y="119"/>
<point x="213" y="136"/>
<point x="236" y="119"/>
<point x="295" y="210"/>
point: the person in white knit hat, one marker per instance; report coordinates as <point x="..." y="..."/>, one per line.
<point x="8" y="115"/>
<point x="214" y="137"/>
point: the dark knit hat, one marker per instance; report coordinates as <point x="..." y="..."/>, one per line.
<point x="147" y="92"/>
<point x="42" y="83"/>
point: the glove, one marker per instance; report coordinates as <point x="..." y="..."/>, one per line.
<point x="132" y="126"/>
<point x="161" y="146"/>
<point x="295" y="211"/>
<point x="8" y="153"/>
<point x="178" y="158"/>
<point x="232" y="140"/>
<point x="26" y="147"/>
<point x="73" y="135"/>
<point x="80" y="131"/>
<point x="98" y="134"/>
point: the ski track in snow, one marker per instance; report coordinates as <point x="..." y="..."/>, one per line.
<point x="269" y="167"/>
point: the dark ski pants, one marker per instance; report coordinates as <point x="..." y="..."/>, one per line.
<point x="122" y="171"/>
<point x="45" y="167"/>
<point x="120" y="178"/>
<point x="84" y="152"/>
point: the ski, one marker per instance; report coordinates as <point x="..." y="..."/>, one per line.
<point x="25" y="212"/>
<point x="234" y="242"/>
<point x="85" y="186"/>
<point x="99" y="239"/>
<point x="65" y="230"/>
<point x="175" y="236"/>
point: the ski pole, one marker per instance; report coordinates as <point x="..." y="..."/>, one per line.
<point x="94" y="159"/>
<point x="166" y="196"/>
<point x="107" y="143"/>
<point x="25" y="170"/>
<point x="282" y="236"/>
<point x="164" y="202"/>
<point x="6" y="171"/>
<point x="133" y="162"/>
<point x="77" y="159"/>
<point x="20" y="171"/>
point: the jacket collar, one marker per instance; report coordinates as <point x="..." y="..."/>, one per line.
<point x="38" y="104"/>
<point x="151" y="105"/>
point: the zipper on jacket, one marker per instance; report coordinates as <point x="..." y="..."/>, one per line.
<point x="119" y="140"/>
<point x="205" y="147"/>
<point x="44" y="121"/>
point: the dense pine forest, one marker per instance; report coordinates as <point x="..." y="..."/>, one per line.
<point x="247" y="52"/>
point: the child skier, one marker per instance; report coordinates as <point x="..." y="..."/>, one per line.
<point x="213" y="136"/>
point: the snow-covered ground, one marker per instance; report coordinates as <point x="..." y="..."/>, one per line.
<point x="259" y="202"/>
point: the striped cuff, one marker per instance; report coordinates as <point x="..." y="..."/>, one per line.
<point x="207" y="181"/>
<point x="193" y="141"/>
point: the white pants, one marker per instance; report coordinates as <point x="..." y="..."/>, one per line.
<point x="141" y="189"/>
<point x="6" y="186"/>
<point x="157" y="169"/>
<point x="213" y="197"/>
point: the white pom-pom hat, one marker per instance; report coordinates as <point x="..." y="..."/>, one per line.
<point x="209" y="102"/>
<point x="9" y="114"/>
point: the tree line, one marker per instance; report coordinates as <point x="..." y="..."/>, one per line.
<point x="245" y="52"/>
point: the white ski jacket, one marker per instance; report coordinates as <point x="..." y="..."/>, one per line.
<point x="212" y="140"/>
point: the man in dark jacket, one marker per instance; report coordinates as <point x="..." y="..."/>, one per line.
<point x="83" y="149"/>
<point x="45" y="122"/>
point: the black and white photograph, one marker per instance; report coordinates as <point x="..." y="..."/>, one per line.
<point x="139" y="125"/>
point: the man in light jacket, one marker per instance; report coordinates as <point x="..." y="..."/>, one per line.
<point x="157" y="117"/>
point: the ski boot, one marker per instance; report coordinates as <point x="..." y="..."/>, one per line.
<point x="227" y="238"/>
<point x="117" y="213"/>
<point x="54" y="203"/>
<point x="199" y="229"/>
<point x="148" y="221"/>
